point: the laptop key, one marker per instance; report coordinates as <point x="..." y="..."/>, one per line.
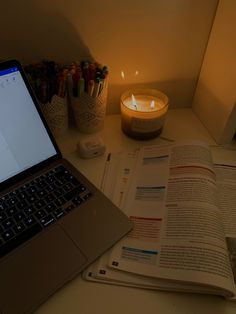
<point x="32" y="199"/>
<point x="67" y="187"/>
<point x="29" y="221"/>
<point x="58" y="213"/>
<point x="59" y="183"/>
<point x="11" y="211"/>
<point x="50" y="179"/>
<point x="59" y="192"/>
<point x="39" y="204"/>
<point x="52" y="187"/>
<point x="19" y="227"/>
<point x="12" y="201"/>
<point x="7" y="235"/>
<point x="79" y="189"/>
<point x="19" y="216"/>
<point x="88" y="195"/>
<point x="3" y="216"/>
<point x="22" y="204"/>
<point x="72" y="180"/>
<point x="40" y="214"/>
<point x="77" y="200"/>
<point x="60" y="201"/>
<point x="48" y="220"/>
<point x="19" y="239"/>
<point x="69" y="208"/>
<point x="32" y="190"/>
<point x="29" y="210"/>
<point x="2" y="207"/>
<point x="49" y="198"/>
<point x="61" y="172"/>
<point x="22" y="195"/>
<point x="42" y="193"/>
<point x="8" y="223"/>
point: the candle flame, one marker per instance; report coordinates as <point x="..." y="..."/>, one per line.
<point x="136" y="72"/>
<point x="122" y="74"/>
<point x="152" y="104"/>
<point x="134" y="103"/>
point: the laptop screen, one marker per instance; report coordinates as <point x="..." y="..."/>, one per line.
<point x="24" y="141"/>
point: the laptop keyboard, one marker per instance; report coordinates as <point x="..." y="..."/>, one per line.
<point x="38" y="204"/>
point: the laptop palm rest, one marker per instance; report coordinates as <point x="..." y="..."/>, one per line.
<point x="41" y="265"/>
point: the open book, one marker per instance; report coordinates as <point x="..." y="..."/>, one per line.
<point x="184" y="212"/>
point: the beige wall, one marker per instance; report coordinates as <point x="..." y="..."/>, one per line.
<point x="215" y="98"/>
<point x="164" y="40"/>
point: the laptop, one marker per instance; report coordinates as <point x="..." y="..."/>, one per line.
<point x="53" y="221"/>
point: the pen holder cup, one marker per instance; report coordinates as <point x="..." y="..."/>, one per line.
<point x="89" y="112"/>
<point x="56" y="114"/>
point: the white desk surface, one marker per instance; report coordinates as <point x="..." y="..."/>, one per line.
<point x="82" y="297"/>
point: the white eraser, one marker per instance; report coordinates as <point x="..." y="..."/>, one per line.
<point x="90" y="147"/>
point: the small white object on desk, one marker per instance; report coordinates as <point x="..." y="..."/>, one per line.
<point x="143" y="113"/>
<point x="91" y="147"/>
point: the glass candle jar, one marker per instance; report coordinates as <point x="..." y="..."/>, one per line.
<point x="143" y="113"/>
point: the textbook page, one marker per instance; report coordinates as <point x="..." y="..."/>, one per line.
<point x="117" y="172"/>
<point x="226" y="181"/>
<point x="178" y="234"/>
<point x="99" y="270"/>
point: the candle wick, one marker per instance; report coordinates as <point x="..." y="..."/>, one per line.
<point x="134" y="102"/>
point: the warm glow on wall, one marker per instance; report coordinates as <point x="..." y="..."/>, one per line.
<point x="130" y="76"/>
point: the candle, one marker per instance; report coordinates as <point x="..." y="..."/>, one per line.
<point x="143" y="113"/>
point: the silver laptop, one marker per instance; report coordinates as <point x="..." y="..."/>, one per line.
<point x="53" y="221"/>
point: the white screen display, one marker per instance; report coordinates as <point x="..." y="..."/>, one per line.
<point x="24" y="141"/>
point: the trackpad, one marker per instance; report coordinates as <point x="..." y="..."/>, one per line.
<point x="35" y="271"/>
